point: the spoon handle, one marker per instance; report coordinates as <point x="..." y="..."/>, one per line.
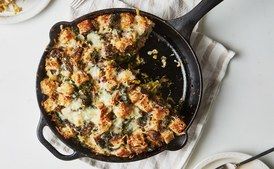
<point x="255" y="157"/>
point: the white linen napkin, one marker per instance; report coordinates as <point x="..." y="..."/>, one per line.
<point x="213" y="57"/>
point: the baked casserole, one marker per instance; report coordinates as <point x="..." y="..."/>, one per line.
<point x="96" y="96"/>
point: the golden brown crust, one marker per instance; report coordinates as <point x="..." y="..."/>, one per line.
<point x="126" y="21"/>
<point x="87" y="55"/>
<point x="122" y="110"/>
<point x="50" y="104"/>
<point x="52" y="64"/>
<point x="103" y="22"/>
<point x="177" y="126"/>
<point x="79" y="77"/>
<point x="126" y="77"/>
<point x="144" y="104"/>
<point x="167" y="135"/>
<point x="66" y="131"/>
<point x="123" y="152"/>
<point x="135" y="95"/>
<point x="159" y="113"/>
<point x="65" y="88"/>
<point x="84" y="26"/>
<point x="64" y="100"/>
<point x="116" y="142"/>
<point x="137" y="142"/>
<point x="122" y="44"/>
<point x="66" y="35"/>
<point x="48" y="86"/>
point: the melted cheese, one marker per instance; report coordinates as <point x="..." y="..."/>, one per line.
<point x="105" y="97"/>
<point x="117" y="125"/>
<point x="125" y="77"/>
<point x="77" y="116"/>
<point x="91" y="115"/>
<point x="95" y="39"/>
<point x="140" y="25"/>
<point x="133" y="126"/>
<point x="72" y="43"/>
<point x="81" y="37"/>
<point x="94" y="71"/>
<point x="114" y="33"/>
<point x="75" y="105"/>
<point x="136" y="113"/>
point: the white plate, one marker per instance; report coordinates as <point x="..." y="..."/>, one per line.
<point x="222" y="158"/>
<point x="30" y="9"/>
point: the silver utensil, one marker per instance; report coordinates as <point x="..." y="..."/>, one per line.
<point x="236" y="165"/>
<point x="76" y="3"/>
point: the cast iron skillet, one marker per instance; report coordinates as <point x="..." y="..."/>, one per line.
<point x="187" y="78"/>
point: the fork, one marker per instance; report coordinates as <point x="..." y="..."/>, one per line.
<point x="235" y="166"/>
<point x="76" y="3"/>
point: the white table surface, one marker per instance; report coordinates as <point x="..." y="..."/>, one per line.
<point x="241" y="120"/>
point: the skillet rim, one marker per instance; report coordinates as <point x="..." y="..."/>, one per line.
<point x="74" y="146"/>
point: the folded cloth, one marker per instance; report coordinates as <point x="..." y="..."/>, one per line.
<point x="213" y="57"/>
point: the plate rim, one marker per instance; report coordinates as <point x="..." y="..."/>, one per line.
<point x="217" y="156"/>
<point x="26" y="15"/>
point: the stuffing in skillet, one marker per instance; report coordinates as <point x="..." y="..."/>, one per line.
<point x="93" y="99"/>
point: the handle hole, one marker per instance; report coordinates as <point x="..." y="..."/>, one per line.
<point x="55" y="142"/>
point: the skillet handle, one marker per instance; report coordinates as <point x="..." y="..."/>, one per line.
<point x="186" y="23"/>
<point x="178" y="143"/>
<point x="56" y="153"/>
